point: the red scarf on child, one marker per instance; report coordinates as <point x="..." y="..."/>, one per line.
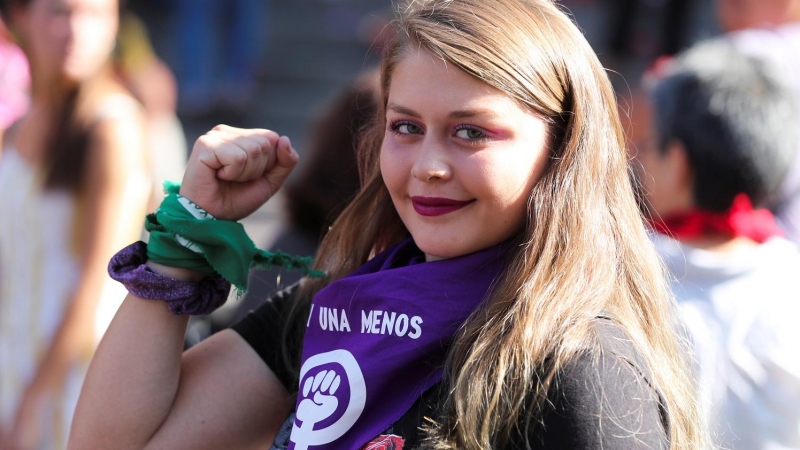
<point x="740" y="220"/>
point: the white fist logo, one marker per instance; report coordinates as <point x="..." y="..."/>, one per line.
<point x="319" y="400"/>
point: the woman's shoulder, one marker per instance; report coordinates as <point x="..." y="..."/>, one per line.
<point x="605" y="398"/>
<point x="278" y="303"/>
<point x="112" y="114"/>
<point x="112" y="100"/>
<point x="116" y="128"/>
<point x="613" y="343"/>
<point x="270" y="314"/>
<point x="263" y="329"/>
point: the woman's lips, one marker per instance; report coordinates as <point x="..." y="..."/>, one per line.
<point x="437" y="206"/>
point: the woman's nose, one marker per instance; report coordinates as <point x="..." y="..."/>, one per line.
<point x="431" y="162"/>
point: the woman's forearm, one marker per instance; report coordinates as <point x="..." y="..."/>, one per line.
<point x="133" y="378"/>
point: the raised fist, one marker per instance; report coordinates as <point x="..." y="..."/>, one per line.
<point x="233" y="171"/>
<point x="319" y="402"/>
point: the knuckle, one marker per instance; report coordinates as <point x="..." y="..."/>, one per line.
<point x="239" y="158"/>
<point x="265" y="137"/>
<point x="263" y="142"/>
<point x="206" y="140"/>
<point x="270" y="135"/>
<point x="253" y="148"/>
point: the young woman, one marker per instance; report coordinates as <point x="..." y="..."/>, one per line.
<point x="491" y="286"/>
<point x="72" y="180"/>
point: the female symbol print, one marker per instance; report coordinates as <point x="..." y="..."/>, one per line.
<point x="322" y="394"/>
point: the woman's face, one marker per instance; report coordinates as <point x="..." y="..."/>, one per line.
<point x="459" y="157"/>
<point x="70" y="39"/>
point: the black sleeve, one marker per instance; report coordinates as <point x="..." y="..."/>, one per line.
<point x="603" y="403"/>
<point x="603" y="400"/>
<point x="263" y="330"/>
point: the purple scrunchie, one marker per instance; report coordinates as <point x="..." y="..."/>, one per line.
<point x="182" y="297"/>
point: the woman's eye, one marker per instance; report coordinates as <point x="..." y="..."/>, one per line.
<point x="470" y="133"/>
<point x="406" y="128"/>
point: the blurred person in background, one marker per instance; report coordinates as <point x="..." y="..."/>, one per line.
<point x="15" y="81"/>
<point x="73" y="185"/>
<point x="217" y="66"/>
<point x="770" y="29"/>
<point x="739" y="15"/>
<point x="720" y="143"/>
<point x="153" y="84"/>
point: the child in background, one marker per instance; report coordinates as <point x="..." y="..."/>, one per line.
<point x="154" y="86"/>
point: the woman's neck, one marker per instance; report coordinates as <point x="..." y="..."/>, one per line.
<point x="49" y="90"/>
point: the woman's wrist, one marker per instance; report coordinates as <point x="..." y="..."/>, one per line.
<point x="177" y="273"/>
<point x="186" y="291"/>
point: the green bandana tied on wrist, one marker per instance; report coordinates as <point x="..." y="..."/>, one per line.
<point x="183" y="235"/>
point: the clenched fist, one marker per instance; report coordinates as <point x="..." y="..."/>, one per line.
<point x="233" y="171"/>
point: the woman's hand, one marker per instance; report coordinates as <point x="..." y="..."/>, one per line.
<point x="233" y="171"/>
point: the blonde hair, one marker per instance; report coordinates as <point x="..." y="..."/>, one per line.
<point x="583" y="252"/>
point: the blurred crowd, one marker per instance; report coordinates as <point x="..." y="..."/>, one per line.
<point x="93" y="119"/>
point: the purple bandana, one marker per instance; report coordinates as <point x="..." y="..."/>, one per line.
<point x="378" y="338"/>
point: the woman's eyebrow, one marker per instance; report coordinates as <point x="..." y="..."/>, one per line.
<point x="402" y="110"/>
<point x="458" y="114"/>
<point x="468" y="113"/>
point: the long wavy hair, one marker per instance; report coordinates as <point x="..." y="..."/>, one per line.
<point x="583" y="252"/>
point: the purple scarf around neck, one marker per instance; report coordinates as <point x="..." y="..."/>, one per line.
<point x="378" y="338"/>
